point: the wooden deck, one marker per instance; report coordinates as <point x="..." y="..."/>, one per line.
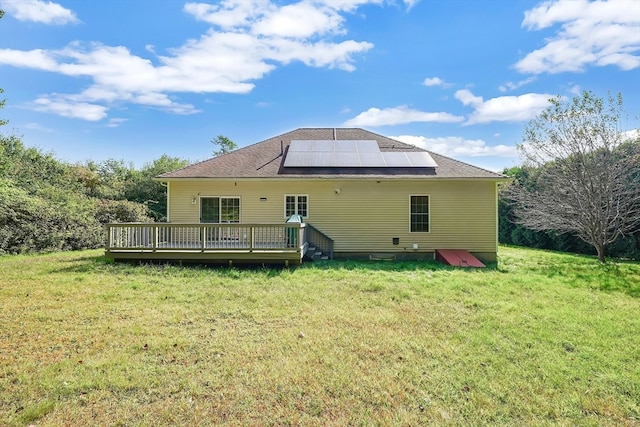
<point x="213" y="243"/>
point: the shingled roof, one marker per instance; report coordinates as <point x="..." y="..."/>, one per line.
<point x="265" y="159"/>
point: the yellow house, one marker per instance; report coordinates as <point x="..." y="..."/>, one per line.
<point x="356" y="194"/>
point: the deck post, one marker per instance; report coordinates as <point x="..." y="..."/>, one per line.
<point x="203" y="235"/>
<point x="251" y="238"/>
<point x="109" y="237"/>
<point x="154" y="237"/>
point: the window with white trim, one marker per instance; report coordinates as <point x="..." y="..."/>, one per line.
<point x="296" y="204"/>
<point x="220" y="210"/>
<point x="419" y="214"/>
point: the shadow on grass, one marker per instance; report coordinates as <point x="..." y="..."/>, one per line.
<point x="101" y="263"/>
<point x="399" y="266"/>
<point x="574" y="270"/>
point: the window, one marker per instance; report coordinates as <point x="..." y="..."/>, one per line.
<point x="420" y="214"/>
<point x="296" y="204"/>
<point x="220" y="210"/>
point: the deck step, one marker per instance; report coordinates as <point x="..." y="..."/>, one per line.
<point x="458" y="258"/>
<point x="315" y="254"/>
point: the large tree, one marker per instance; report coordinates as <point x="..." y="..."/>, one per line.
<point x="144" y="189"/>
<point x="224" y="144"/>
<point x="587" y="172"/>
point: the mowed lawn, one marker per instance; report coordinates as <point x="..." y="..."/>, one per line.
<point x="540" y="339"/>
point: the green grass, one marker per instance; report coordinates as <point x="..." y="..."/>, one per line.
<point x="541" y="339"/>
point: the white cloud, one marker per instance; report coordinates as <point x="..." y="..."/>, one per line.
<point x="399" y="115"/>
<point x="45" y="12"/>
<point x="411" y="3"/>
<point x="249" y="39"/>
<point x="516" y="85"/>
<point x="115" y="122"/>
<point x="66" y="107"/>
<point x="435" y="81"/>
<point x="38" y="127"/>
<point x="630" y="134"/>
<point x="503" y="108"/>
<point x="38" y="59"/>
<point x="300" y="20"/>
<point x="351" y="5"/>
<point x="227" y="14"/>
<point x="597" y="33"/>
<point x="576" y="90"/>
<point x="467" y="98"/>
<point x="455" y="146"/>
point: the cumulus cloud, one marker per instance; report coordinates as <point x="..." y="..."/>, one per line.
<point x="455" y="146"/>
<point x="435" y="81"/>
<point x="68" y="108"/>
<point x="399" y="115"/>
<point x="503" y="108"/>
<point x="247" y="40"/>
<point x="45" y="12"/>
<point x="228" y="14"/>
<point x="630" y="134"/>
<point x="597" y="33"/>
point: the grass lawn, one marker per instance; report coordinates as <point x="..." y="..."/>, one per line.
<point x="541" y="339"/>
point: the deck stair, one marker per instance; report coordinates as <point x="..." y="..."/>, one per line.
<point x="315" y="254"/>
<point x="458" y="258"/>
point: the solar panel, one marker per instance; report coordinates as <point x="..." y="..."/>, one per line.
<point x="366" y="146"/>
<point x="421" y="159"/>
<point x="351" y="153"/>
<point x="300" y="146"/>
<point x="323" y="148"/>
<point x="346" y="147"/>
<point x="396" y="159"/>
<point x="375" y="160"/>
<point x="347" y="160"/>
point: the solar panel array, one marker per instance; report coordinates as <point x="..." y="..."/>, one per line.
<point x="352" y="153"/>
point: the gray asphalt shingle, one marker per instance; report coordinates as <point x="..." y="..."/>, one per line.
<point x="265" y="159"/>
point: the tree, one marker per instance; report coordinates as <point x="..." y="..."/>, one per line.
<point x="2" y="101"/>
<point x="225" y="144"/>
<point x="144" y="189"/>
<point x="587" y="180"/>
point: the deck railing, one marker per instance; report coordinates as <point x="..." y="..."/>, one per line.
<point x="318" y="239"/>
<point x="206" y="237"/>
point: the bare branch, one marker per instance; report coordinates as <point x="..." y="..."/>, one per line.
<point x="587" y="179"/>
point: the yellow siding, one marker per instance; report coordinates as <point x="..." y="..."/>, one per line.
<point x="363" y="216"/>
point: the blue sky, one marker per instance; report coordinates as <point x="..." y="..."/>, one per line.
<point x="135" y="79"/>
